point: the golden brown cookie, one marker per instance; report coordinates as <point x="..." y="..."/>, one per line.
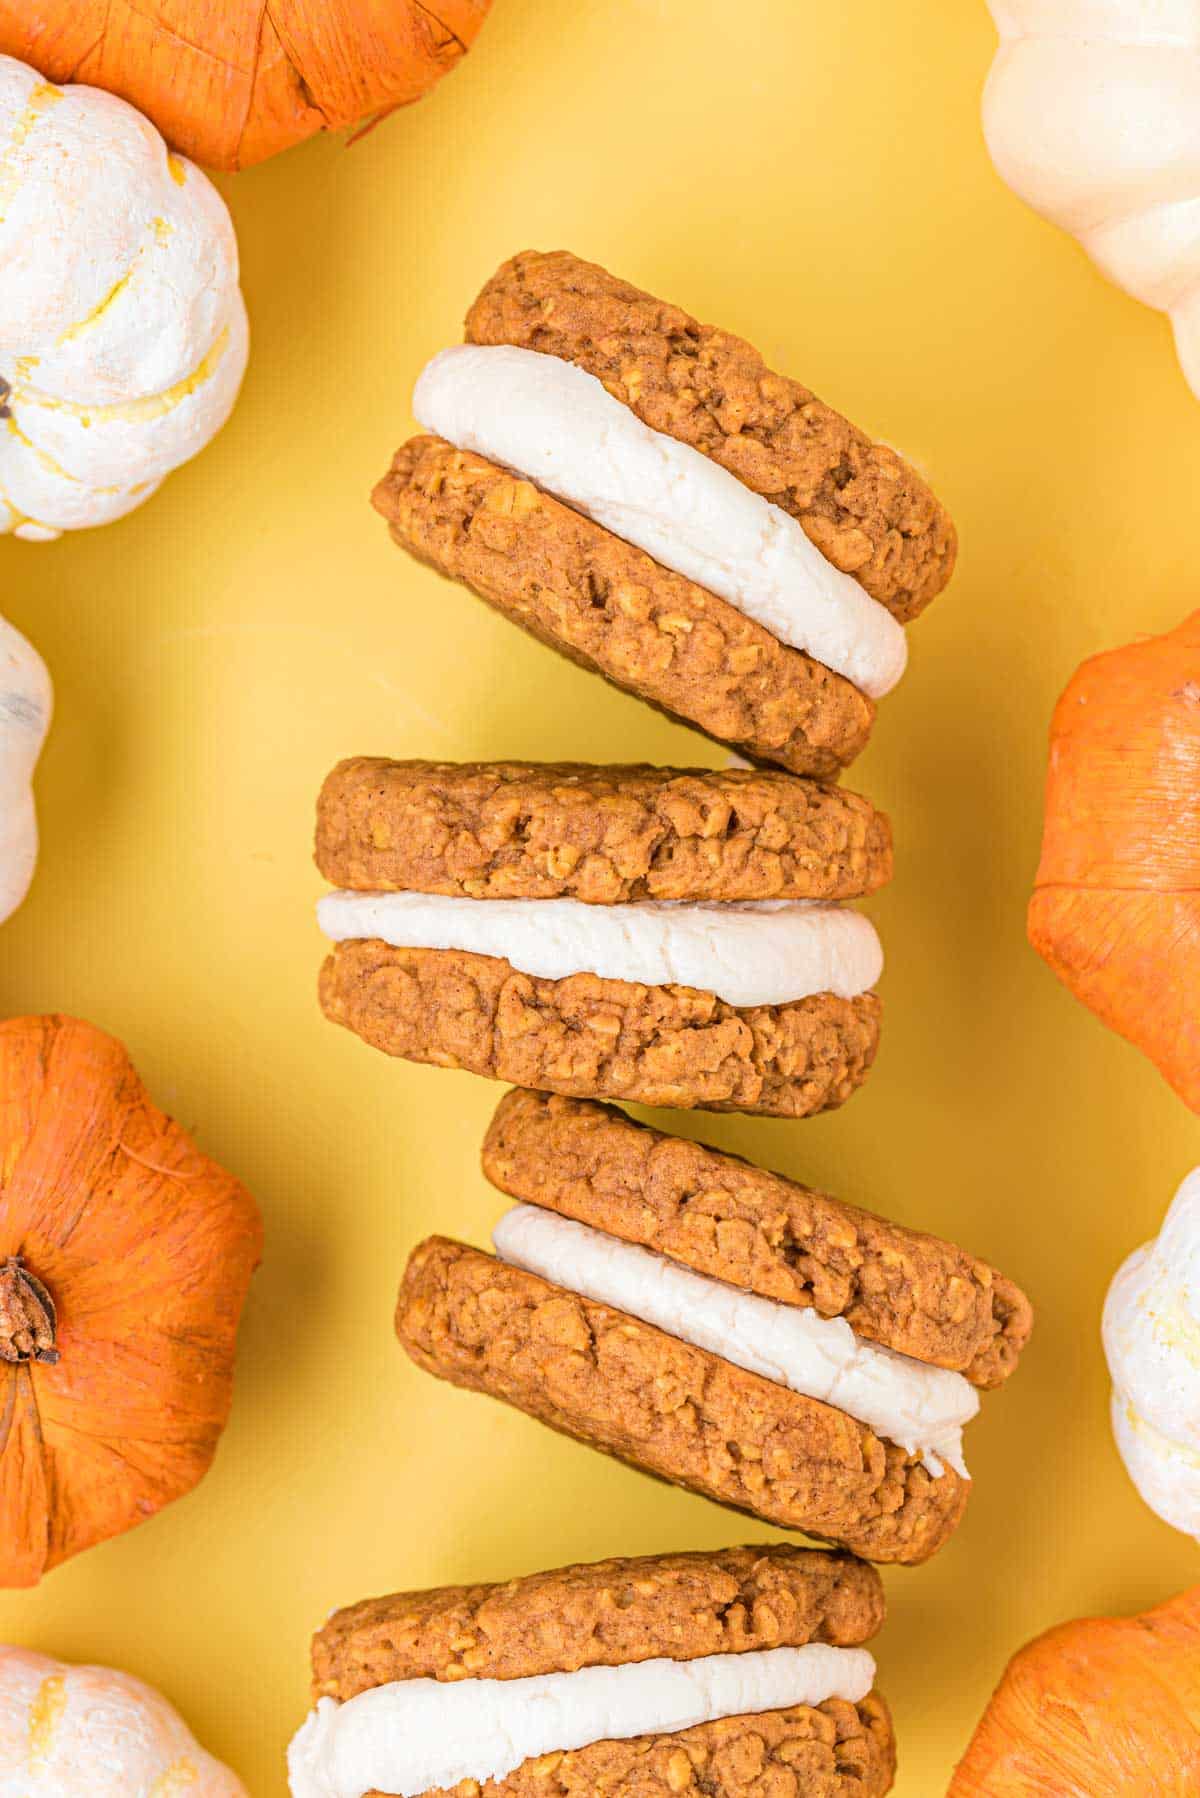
<point x="605" y="835"/>
<point x="668" y="1407"/>
<point x="866" y="510"/>
<point x="591" y="1037"/>
<point x="627" y="1612"/>
<point x="610" y="608"/>
<point x="738" y="1223"/>
<point x="602" y="1614"/>
<point x="833" y="1750"/>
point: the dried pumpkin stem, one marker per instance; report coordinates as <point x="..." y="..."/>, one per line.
<point x="5" y="390"/>
<point x="28" y="1319"/>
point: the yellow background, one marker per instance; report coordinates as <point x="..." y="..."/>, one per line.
<point x="814" y="177"/>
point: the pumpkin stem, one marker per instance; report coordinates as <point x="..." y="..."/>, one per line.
<point x="5" y="390"/>
<point x="28" y="1319"/>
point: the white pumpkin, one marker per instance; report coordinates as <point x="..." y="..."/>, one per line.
<point x="123" y="334"/>
<point x="26" y="701"/>
<point x="1092" y="115"/>
<point x="87" y="1732"/>
<point x="1152" y="1340"/>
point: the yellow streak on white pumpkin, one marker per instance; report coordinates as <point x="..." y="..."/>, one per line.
<point x="41" y="456"/>
<point x="48" y="462"/>
<point x="161" y="231"/>
<point x="179" y="1777"/>
<point x="41" y="99"/>
<point x="177" y="169"/>
<point x="144" y="411"/>
<point x="44" y="1714"/>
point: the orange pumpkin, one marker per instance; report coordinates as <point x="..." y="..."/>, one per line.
<point x="125" y="1258"/>
<point x="230" y="82"/>
<point x="1116" y="909"/>
<point x="1107" y="1706"/>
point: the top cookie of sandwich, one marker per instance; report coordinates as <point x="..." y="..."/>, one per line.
<point x="521" y="830"/>
<point x="862" y="506"/>
<point x="610" y="1613"/>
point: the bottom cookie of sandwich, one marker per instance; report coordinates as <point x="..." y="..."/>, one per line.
<point x="669" y="1407"/>
<point x="733" y="1673"/>
<point x="832" y="1750"/>
<point x="590" y="1037"/>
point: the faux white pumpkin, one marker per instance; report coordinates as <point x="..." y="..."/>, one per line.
<point x="123" y="335"/>
<point x="1092" y="115"/>
<point x="26" y="700"/>
<point x="1152" y="1340"/>
<point x="87" y="1732"/>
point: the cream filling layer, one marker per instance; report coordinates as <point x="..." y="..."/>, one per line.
<point x="923" y="1409"/>
<point x="771" y="953"/>
<point x="560" y="428"/>
<point x="419" y="1735"/>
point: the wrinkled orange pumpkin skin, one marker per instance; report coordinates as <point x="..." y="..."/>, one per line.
<point x="148" y="1270"/>
<point x="1116" y="907"/>
<point x="231" y="82"/>
<point x="1105" y="1707"/>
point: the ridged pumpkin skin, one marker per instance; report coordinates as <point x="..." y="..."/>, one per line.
<point x="146" y="1248"/>
<point x="91" y="1732"/>
<point x="1108" y="1707"/>
<point x="1116" y="907"/>
<point x="231" y="82"/>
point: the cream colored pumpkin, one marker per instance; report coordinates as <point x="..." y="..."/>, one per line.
<point x="26" y="700"/>
<point x="1092" y="115"/>
<point x="87" y="1732"/>
<point x="1152" y="1340"/>
<point x="123" y="335"/>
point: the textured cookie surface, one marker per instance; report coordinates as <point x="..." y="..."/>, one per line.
<point x="603" y="1614"/>
<point x="668" y="1407"/>
<point x="834" y="1750"/>
<point x="865" y="509"/>
<point x="609" y="607"/>
<point x="758" y="1230"/>
<point x="519" y="830"/>
<point x="604" y="1039"/>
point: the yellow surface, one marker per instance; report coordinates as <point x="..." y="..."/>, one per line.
<point x="814" y="177"/>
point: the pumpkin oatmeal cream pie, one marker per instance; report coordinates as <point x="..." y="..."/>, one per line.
<point x="641" y="492"/>
<point x="721" y="1327"/>
<point x="731" y="1673"/>
<point x="675" y="937"/>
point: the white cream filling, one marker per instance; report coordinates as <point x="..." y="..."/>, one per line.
<point x="771" y="953"/>
<point x="416" y="1735"/>
<point x="559" y="427"/>
<point x="923" y="1409"/>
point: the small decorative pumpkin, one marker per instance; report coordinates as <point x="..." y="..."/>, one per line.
<point x="26" y="701"/>
<point x="231" y="82"/>
<point x="1152" y="1340"/>
<point x="123" y="336"/>
<point x="1116" y="908"/>
<point x="125" y="1257"/>
<point x="89" y="1732"/>
<point x="1105" y="1708"/>
<point x="1092" y="115"/>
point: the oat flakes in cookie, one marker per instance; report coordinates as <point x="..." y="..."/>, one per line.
<point x="669" y="936"/>
<point x="731" y="1673"/>
<point x="642" y="493"/>
<point x="721" y="1327"/>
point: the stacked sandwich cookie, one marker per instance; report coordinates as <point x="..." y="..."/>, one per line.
<point x="732" y="1674"/>
<point x="644" y="494"/>
<point x="667" y="936"/>
<point x="721" y="1327"/>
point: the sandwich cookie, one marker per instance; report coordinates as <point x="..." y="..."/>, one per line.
<point x="671" y="937"/>
<point x="720" y="1327"/>
<point x="728" y="1673"/>
<point x="641" y="492"/>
